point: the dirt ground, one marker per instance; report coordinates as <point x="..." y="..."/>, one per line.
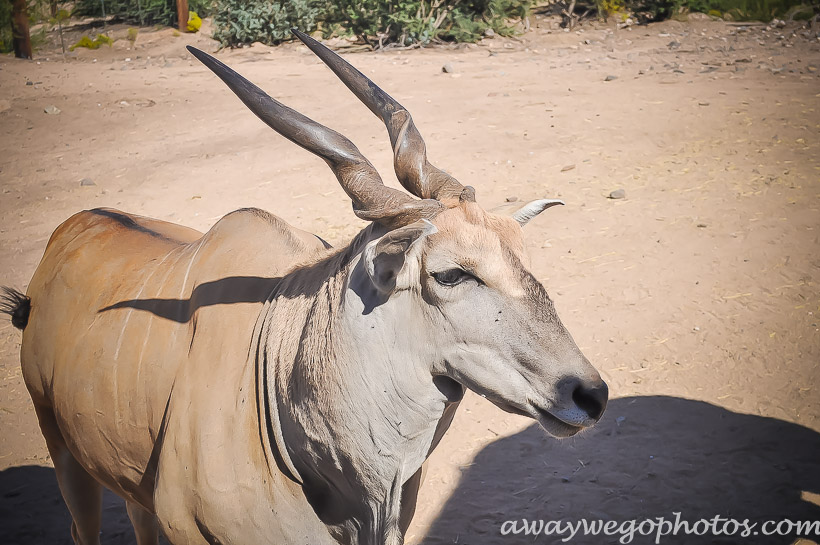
<point x="696" y="295"/>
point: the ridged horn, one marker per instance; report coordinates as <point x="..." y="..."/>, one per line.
<point x="372" y="200"/>
<point x="413" y="169"/>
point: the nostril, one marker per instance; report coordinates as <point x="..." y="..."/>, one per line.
<point x="591" y="400"/>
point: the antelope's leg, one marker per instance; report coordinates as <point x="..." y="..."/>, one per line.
<point x="145" y="524"/>
<point x="81" y="492"/>
<point x="409" y="497"/>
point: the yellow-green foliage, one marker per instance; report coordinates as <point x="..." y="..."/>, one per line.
<point x="611" y="6"/>
<point x="132" y="34"/>
<point x="194" y="22"/>
<point x="87" y="42"/>
<point x="62" y="15"/>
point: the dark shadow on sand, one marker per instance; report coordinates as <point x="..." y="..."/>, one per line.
<point x="649" y="457"/>
<point x="32" y="511"/>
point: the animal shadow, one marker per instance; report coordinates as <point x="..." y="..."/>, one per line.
<point x="32" y="511"/>
<point x="649" y="457"/>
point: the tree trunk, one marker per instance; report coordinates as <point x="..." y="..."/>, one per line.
<point x="53" y="5"/>
<point x="21" y="38"/>
<point x="182" y="15"/>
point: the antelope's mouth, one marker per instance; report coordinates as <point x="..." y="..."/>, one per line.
<point x="551" y="423"/>
<point x="554" y="425"/>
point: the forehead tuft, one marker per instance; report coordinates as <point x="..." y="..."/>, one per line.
<point x="468" y="223"/>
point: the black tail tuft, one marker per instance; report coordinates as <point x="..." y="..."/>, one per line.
<point x="17" y="305"/>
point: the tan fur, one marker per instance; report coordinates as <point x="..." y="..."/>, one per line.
<point x="251" y="385"/>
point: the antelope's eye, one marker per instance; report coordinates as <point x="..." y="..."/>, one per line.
<point x="451" y="277"/>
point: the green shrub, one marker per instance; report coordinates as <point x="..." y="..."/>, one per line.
<point x="738" y="10"/>
<point x="6" y="43"/>
<point x="420" y="21"/>
<point x="88" y="43"/>
<point x="148" y="12"/>
<point x="745" y="10"/>
<point x="240" y="22"/>
<point x="376" y="22"/>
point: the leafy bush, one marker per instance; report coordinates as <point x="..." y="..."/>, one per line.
<point x="744" y="10"/>
<point x="421" y="21"/>
<point x="377" y="22"/>
<point x="88" y="43"/>
<point x="239" y="22"/>
<point x="6" y="43"/>
<point x="149" y="12"/>
<point x="738" y="10"/>
<point x="194" y="22"/>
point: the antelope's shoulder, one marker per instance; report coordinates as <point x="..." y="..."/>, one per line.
<point x="256" y="227"/>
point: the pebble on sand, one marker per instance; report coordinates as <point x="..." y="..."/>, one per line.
<point x="448" y="68"/>
<point x="52" y="110"/>
<point x="610" y="78"/>
<point x="618" y="194"/>
<point x="87" y="182"/>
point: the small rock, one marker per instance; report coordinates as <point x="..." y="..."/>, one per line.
<point x="489" y="33"/>
<point x="51" y="110"/>
<point x="85" y="182"/>
<point x="703" y="103"/>
<point x="618" y="194"/>
<point x="512" y="199"/>
<point x="701" y="226"/>
<point x="610" y="78"/>
<point x="29" y="83"/>
<point x="567" y="168"/>
<point x="448" y="68"/>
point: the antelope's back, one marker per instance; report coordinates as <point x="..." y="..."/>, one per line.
<point x="118" y="303"/>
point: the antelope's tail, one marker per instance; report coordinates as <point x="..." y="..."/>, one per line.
<point x="16" y="305"/>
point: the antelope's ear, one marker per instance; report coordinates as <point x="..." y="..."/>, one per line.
<point x="523" y="213"/>
<point x="384" y="258"/>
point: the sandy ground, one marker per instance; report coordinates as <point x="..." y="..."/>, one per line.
<point x="696" y="295"/>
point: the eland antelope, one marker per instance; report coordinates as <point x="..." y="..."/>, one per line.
<point x="252" y="385"/>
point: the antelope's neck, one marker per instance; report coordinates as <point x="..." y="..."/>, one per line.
<point x="355" y="400"/>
